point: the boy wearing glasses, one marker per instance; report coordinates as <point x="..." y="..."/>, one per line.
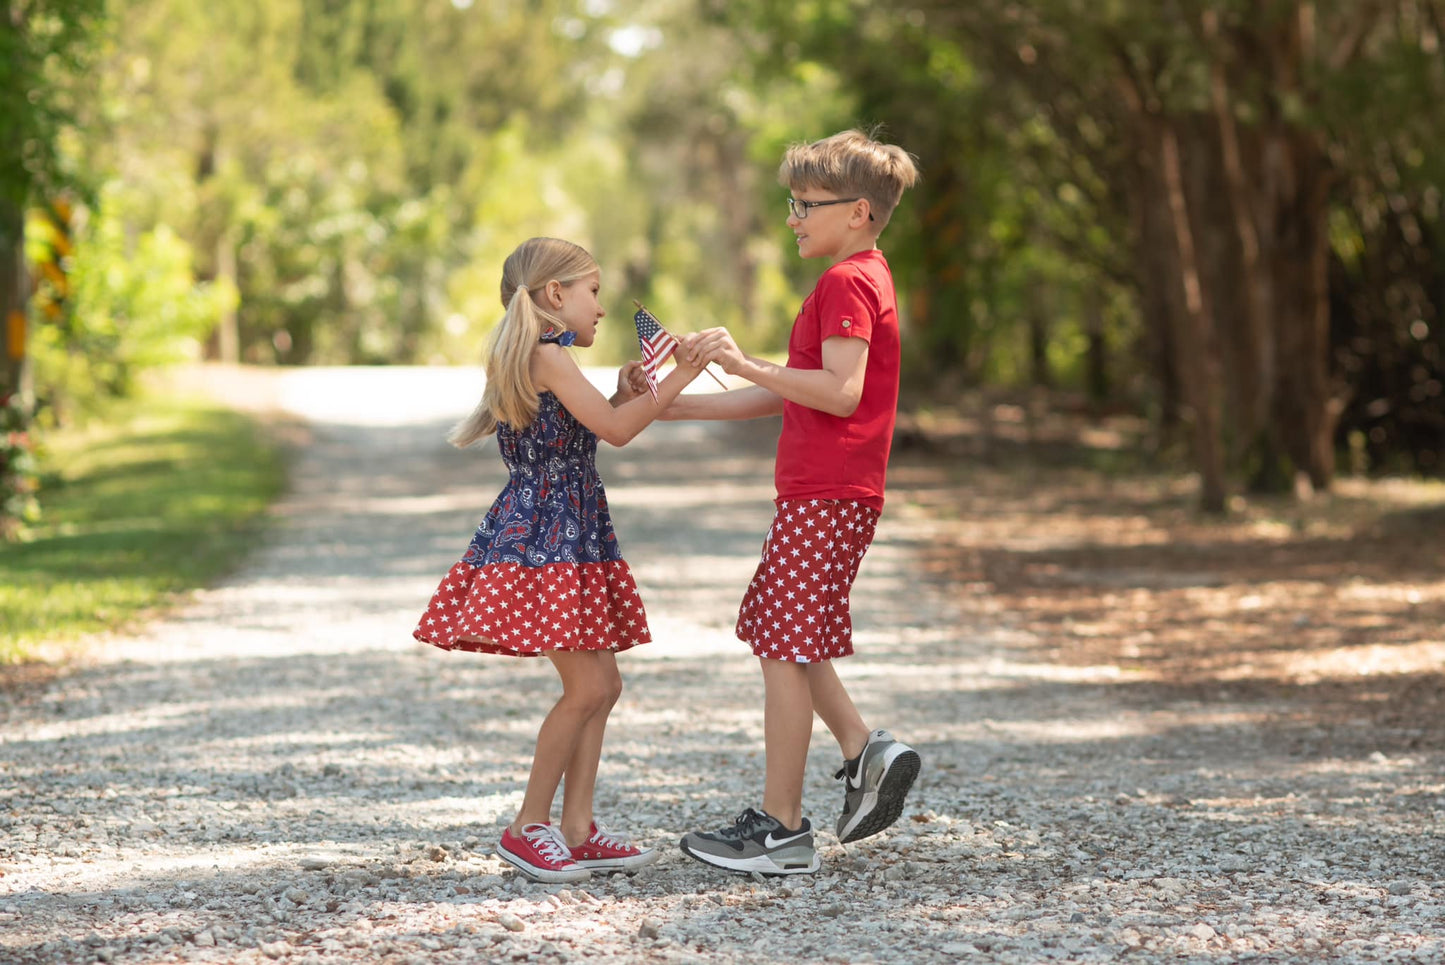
<point x="838" y="395"/>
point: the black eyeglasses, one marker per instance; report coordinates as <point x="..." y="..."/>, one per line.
<point x="800" y="208"/>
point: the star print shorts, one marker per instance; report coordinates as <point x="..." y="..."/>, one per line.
<point x="796" y="607"/>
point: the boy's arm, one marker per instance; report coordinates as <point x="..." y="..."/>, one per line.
<point x="835" y="388"/>
<point x="750" y="402"/>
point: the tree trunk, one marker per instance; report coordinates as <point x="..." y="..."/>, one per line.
<point x="13" y="295"/>
<point x="1158" y="294"/>
<point x="1039" y="375"/>
<point x="939" y="309"/>
<point x="1156" y="276"/>
<point x="13" y="372"/>
<point x="1198" y="359"/>
<point x="1096" y="358"/>
<point x="1255" y="376"/>
<point x="1307" y="410"/>
<point x="738" y="223"/>
<point x="228" y="333"/>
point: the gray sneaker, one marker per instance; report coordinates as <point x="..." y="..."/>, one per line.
<point x="757" y="841"/>
<point x="874" y="786"/>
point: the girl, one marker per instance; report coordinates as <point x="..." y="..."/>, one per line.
<point x="543" y="574"/>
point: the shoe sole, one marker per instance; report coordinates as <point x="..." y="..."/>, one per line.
<point x="761" y="863"/>
<point x="633" y="863"/>
<point x="888" y="800"/>
<point x="542" y="874"/>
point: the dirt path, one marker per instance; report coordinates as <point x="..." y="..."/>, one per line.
<point x="277" y="772"/>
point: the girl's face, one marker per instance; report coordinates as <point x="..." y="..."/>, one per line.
<point x="579" y="309"/>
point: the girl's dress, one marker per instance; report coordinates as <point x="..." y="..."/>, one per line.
<point x="543" y="571"/>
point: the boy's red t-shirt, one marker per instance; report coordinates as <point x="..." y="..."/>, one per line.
<point x="822" y="456"/>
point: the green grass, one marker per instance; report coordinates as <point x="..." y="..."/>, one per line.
<point x="165" y="496"/>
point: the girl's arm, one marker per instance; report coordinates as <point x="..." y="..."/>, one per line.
<point x="835" y="388"/>
<point x="749" y="402"/>
<point x="554" y="370"/>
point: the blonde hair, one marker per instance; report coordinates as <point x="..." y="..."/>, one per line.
<point x="509" y="395"/>
<point x="852" y="163"/>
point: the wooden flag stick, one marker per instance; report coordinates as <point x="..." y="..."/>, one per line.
<point x="707" y="370"/>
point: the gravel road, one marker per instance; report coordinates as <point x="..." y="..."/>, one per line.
<point x="276" y="771"/>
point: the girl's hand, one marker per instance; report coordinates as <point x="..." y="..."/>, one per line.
<point x="684" y="358"/>
<point x="631" y="382"/>
<point x="553" y="369"/>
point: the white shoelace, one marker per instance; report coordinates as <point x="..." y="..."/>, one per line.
<point x="610" y="839"/>
<point x="549" y="841"/>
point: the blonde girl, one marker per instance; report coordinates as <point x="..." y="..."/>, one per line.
<point x="543" y="575"/>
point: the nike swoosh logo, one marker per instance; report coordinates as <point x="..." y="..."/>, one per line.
<point x="772" y="842"/>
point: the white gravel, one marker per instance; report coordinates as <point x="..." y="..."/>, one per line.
<point x="278" y="773"/>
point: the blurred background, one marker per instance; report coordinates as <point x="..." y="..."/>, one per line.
<point x="1219" y="217"/>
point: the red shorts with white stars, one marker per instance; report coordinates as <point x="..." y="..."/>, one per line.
<point x="527" y="611"/>
<point x="796" y="607"/>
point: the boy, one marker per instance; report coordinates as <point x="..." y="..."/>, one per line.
<point x="838" y="395"/>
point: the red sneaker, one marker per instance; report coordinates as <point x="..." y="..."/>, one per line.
<point x="605" y="851"/>
<point x="541" y="854"/>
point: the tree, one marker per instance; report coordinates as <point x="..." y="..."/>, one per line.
<point x="39" y="39"/>
<point x="36" y="38"/>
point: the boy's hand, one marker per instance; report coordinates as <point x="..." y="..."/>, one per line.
<point x="715" y="345"/>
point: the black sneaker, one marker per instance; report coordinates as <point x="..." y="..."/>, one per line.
<point x="757" y="841"/>
<point x="874" y="786"/>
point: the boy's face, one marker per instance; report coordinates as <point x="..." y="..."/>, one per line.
<point x="829" y="225"/>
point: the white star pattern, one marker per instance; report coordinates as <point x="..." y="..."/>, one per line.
<point x="795" y="594"/>
<point x="495" y="609"/>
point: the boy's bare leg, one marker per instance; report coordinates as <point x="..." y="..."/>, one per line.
<point x="787" y="728"/>
<point x="775" y="840"/>
<point x="832" y="703"/>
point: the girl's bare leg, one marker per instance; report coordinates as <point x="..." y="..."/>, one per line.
<point x="585" y="694"/>
<point x="581" y="771"/>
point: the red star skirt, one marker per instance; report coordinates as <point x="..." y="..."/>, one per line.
<point x="526" y="611"/>
<point x="796" y="607"/>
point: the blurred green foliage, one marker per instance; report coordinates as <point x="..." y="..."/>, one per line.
<point x="156" y="498"/>
<point x="131" y="303"/>
<point x="342" y="179"/>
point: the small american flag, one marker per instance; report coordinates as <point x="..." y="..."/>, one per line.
<point x="657" y="346"/>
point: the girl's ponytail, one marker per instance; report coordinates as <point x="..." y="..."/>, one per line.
<point x="509" y="395"/>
